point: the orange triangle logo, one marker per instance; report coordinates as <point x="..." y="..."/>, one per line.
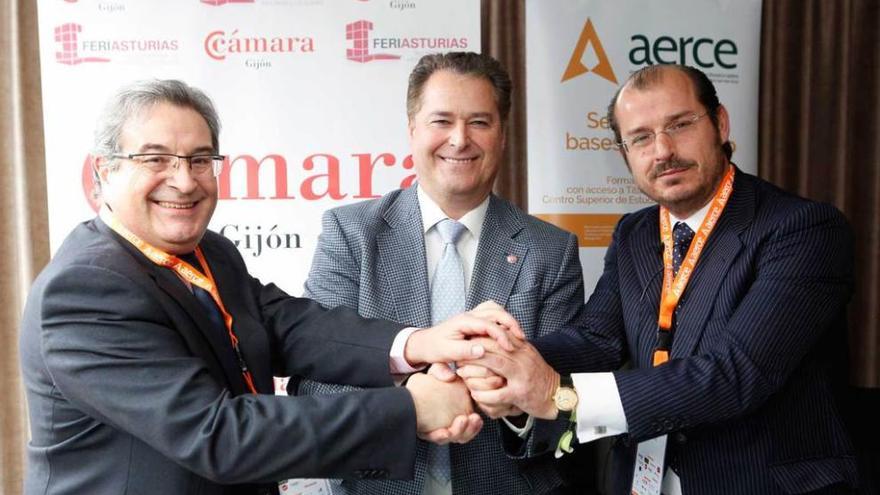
<point x="576" y="67"/>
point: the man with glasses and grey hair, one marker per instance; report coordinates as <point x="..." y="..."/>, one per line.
<point x="148" y="351"/>
<point x="729" y="300"/>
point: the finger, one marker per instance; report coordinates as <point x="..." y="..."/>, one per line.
<point x="470" y="325"/>
<point x="495" y="397"/>
<point x="442" y="372"/>
<point x="495" y="364"/>
<point x="493" y="411"/>
<point x="458" y="427"/>
<point x="505" y="338"/>
<point x="474" y="425"/>
<point x="439" y="436"/>
<point x="488" y="304"/>
<point x="473" y="371"/>
<point x="488" y="383"/>
<point x="503" y="318"/>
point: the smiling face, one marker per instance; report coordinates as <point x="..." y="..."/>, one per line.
<point x="456" y="138"/>
<point x="170" y="210"/>
<point x="680" y="172"/>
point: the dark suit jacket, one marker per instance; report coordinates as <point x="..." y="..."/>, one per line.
<point x="371" y="257"/>
<point x="131" y="390"/>
<point x="747" y="397"/>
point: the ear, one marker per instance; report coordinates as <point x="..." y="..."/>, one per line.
<point x="410" y="128"/>
<point x="723" y="124"/>
<point x="102" y="168"/>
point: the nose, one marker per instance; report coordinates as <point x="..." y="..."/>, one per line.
<point x="664" y="146"/>
<point x="181" y="177"/>
<point x="458" y="135"/>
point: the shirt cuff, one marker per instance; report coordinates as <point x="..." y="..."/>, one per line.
<point x="521" y="432"/>
<point x="397" y="363"/>
<point x="599" y="410"/>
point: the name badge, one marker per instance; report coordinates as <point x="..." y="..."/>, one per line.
<point x="648" y="472"/>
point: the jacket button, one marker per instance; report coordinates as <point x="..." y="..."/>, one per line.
<point x="681" y="438"/>
<point x="668" y="425"/>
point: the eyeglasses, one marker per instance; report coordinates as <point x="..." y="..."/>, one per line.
<point x="161" y="163"/>
<point x="646" y="139"/>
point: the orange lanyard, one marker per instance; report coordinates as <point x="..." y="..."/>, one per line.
<point x="188" y="273"/>
<point x="673" y="286"/>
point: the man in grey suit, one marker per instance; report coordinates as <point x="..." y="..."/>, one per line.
<point x="383" y="258"/>
<point x="148" y="351"/>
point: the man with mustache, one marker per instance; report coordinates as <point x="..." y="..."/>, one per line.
<point x="384" y="258"/>
<point x="728" y="300"/>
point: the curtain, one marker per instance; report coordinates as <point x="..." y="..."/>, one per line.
<point x="819" y="116"/>
<point x="23" y="219"/>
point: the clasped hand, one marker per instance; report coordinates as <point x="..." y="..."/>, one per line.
<point x="497" y="368"/>
<point x="444" y="410"/>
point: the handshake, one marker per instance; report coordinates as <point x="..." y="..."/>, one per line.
<point x="495" y="369"/>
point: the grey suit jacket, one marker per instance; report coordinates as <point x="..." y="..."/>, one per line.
<point x="748" y="395"/>
<point x="132" y="390"/>
<point x="371" y="257"/>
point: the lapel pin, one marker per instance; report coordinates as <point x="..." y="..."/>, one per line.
<point x="511" y="258"/>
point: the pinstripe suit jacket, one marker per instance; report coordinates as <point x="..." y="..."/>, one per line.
<point x="747" y="397"/>
<point x="371" y="257"/>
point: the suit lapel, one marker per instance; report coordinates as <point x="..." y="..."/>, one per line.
<point x="499" y="255"/>
<point x="401" y="261"/>
<point x="221" y="349"/>
<point x="721" y="250"/>
<point x="200" y="329"/>
<point x="647" y="255"/>
<point x="251" y="338"/>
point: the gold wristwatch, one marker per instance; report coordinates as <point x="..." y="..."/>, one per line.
<point x="565" y="397"/>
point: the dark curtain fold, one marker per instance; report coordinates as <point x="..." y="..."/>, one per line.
<point x="503" y="37"/>
<point x="819" y="113"/>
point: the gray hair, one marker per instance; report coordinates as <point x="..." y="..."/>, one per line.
<point x="132" y="99"/>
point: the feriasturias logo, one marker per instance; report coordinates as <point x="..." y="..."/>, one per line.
<point x="365" y="47"/>
<point x="74" y="49"/>
<point x="358" y="33"/>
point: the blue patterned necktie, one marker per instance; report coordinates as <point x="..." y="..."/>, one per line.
<point x="447" y="299"/>
<point x="682" y="235"/>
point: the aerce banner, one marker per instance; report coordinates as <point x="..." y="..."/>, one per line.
<point x="577" y="53"/>
<point x="311" y="94"/>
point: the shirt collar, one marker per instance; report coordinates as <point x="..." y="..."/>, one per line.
<point x="694" y="221"/>
<point x="432" y="213"/>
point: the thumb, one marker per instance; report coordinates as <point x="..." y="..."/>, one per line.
<point x="442" y="372"/>
<point x="462" y="350"/>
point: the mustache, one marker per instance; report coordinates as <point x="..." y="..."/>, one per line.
<point x="663" y="167"/>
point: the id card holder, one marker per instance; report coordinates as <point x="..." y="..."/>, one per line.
<point x="648" y="471"/>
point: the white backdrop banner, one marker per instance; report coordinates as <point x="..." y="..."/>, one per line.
<point x="311" y="94"/>
<point x="577" y="53"/>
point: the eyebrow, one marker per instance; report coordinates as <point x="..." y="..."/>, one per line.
<point x="668" y="120"/>
<point x="161" y="148"/>
<point x="475" y="115"/>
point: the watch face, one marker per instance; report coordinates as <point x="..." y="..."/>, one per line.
<point x="566" y="399"/>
